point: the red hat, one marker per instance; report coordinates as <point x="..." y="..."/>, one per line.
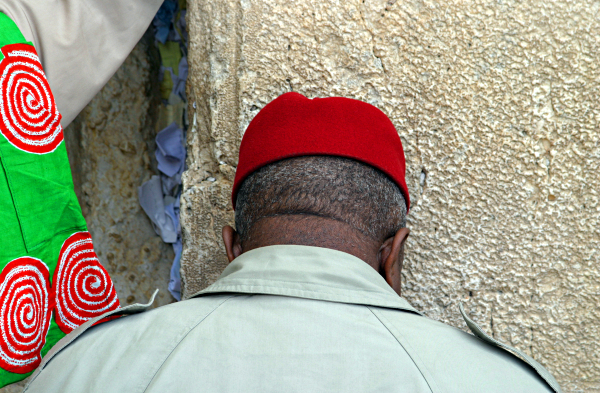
<point x="293" y="125"/>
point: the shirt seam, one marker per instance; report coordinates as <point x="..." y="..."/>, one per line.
<point x="302" y="282"/>
<point x="412" y="353"/>
<point x="345" y="289"/>
<point x="181" y="340"/>
<point x="341" y="299"/>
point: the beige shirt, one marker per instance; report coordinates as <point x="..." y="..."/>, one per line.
<point x="286" y="318"/>
<point x="81" y="43"/>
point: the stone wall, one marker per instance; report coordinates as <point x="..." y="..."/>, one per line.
<point x="111" y="150"/>
<point x="496" y="103"/>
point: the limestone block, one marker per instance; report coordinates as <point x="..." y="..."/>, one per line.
<point x="496" y="103"/>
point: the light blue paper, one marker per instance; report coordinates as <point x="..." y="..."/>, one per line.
<point x="151" y="199"/>
<point x="175" y="280"/>
<point x="170" y="152"/>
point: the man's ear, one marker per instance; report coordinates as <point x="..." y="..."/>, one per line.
<point x="233" y="246"/>
<point x="391" y="257"/>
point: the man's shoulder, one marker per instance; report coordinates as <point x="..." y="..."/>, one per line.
<point x="447" y="357"/>
<point x="112" y="348"/>
<point x="148" y="325"/>
<point x="454" y="358"/>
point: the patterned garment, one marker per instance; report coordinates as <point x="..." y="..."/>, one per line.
<point x="51" y="281"/>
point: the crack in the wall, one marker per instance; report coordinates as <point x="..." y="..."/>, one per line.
<point x="290" y="65"/>
<point x="531" y="342"/>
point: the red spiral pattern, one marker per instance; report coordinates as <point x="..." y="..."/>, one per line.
<point x="83" y="288"/>
<point x="29" y="118"/>
<point x="25" y="311"/>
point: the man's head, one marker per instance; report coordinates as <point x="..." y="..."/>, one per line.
<point x="322" y="201"/>
<point x="325" y="172"/>
<point x="330" y="187"/>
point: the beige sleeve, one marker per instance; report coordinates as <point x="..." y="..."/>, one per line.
<point x="81" y="43"/>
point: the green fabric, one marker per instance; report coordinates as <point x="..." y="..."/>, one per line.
<point x="38" y="205"/>
<point x="43" y="195"/>
<point x="284" y="318"/>
<point x="9" y="32"/>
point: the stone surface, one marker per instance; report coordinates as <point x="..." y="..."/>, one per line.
<point x="111" y="149"/>
<point x="496" y="103"/>
<point x="15" y="387"/>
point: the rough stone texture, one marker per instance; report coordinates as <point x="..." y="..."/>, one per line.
<point x="111" y="149"/>
<point x="496" y="103"/>
<point x="15" y="387"/>
<point x="213" y="88"/>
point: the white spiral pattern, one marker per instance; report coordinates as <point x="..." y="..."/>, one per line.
<point x="29" y="118"/>
<point x="82" y="287"/>
<point x="24" y="313"/>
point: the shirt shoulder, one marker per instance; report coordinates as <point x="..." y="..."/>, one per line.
<point x="112" y="349"/>
<point x="456" y="361"/>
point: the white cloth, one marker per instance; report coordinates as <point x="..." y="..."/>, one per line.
<point x="81" y="43"/>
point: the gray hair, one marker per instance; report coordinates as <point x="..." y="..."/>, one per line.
<point x="333" y="187"/>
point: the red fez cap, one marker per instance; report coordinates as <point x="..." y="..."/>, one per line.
<point x="293" y="126"/>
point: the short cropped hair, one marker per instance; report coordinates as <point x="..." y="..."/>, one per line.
<point x="332" y="187"/>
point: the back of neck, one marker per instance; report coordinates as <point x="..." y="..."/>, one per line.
<point x="310" y="230"/>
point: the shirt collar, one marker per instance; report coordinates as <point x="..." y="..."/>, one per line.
<point x="307" y="272"/>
